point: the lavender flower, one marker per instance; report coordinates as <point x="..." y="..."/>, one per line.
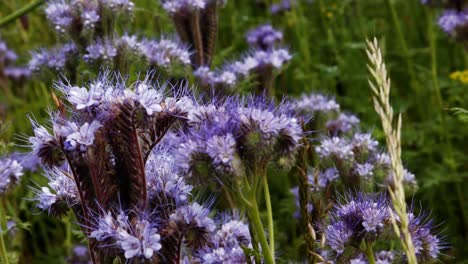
<point x="10" y="173"/>
<point x="119" y="6"/>
<point x="343" y="124"/>
<point x="316" y="103"/>
<point x="222" y="150"/>
<point x="335" y="147"/>
<point x="264" y="37"/>
<point x="427" y="244"/>
<point x="82" y="137"/>
<point x="164" y="52"/>
<point x="101" y="49"/>
<point x="143" y="243"/>
<point x="337" y="236"/>
<point x="56" y="58"/>
<point x="282" y="6"/>
<point x="163" y="179"/>
<point x="61" y="192"/>
<point x="452" y="19"/>
<point x="60" y="14"/>
<point x="175" y="6"/>
<point x="359" y="217"/>
<point x="17" y="74"/>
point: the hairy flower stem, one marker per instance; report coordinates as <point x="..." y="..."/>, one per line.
<point x="20" y="12"/>
<point x="370" y="253"/>
<point x="3" y="231"/>
<point x="271" y="228"/>
<point x="256" y="221"/>
<point x="304" y="196"/>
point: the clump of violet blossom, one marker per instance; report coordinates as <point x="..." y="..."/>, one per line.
<point x="8" y="70"/>
<point x="263" y="61"/>
<point x="360" y="220"/>
<point x="454" y="18"/>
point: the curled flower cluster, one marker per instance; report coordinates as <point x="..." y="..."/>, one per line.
<point x="237" y="134"/>
<point x="129" y="195"/>
<point x="366" y="218"/>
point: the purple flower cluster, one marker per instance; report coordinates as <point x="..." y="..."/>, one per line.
<point x="365" y="218"/>
<point x="131" y="196"/>
<point x="56" y="58"/>
<point x="10" y="173"/>
<point x="315" y="103"/>
<point x="229" y="74"/>
<point x="452" y="19"/>
<point x="235" y="134"/>
<point x="165" y="52"/>
<point x="77" y="18"/>
<point x="7" y="68"/>
<point x="264" y="37"/>
<point x="176" y="6"/>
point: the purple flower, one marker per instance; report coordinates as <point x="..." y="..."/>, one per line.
<point x="384" y="257"/>
<point x="313" y="103"/>
<point x="54" y="59"/>
<point x="103" y="49"/>
<point x="264" y="37"/>
<point x="61" y="189"/>
<point x="144" y="241"/>
<point x="164" y="180"/>
<point x="45" y="199"/>
<point x="275" y="58"/>
<point x="175" y="6"/>
<point x="149" y="98"/>
<point x="365" y="214"/>
<point x="365" y="170"/>
<point x="83" y="137"/>
<point x="364" y="142"/>
<point x="119" y="6"/>
<point x="60" y="14"/>
<point x="90" y="18"/>
<point x="41" y="137"/>
<point x="343" y="124"/>
<point x="426" y="242"/>
<point x="335" y="147"/>
<point x="337" y="236"/>
<point x="282" y="6"/>
<point x="222" y="150"/>
<point x="194" y="216"/>
<point x="17" y="73"/>
<point x="165" y="52"/>
<point x="451" y="19"/>
<point x="10" y="173"/>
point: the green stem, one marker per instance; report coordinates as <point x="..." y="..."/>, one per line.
<point x="271" y="228"/>
<point x="258" y="226"/>
<point x="432" y="43"/>
<point x="370" y="253"/>
<point x="24" y="10"/>
<point x="3" y="225"/>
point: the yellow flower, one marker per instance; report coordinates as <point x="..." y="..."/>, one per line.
<point x="461" y="76"/>
<point x="455" y="75"/>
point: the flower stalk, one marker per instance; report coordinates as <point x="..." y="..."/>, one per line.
<point x="4" y="230"/>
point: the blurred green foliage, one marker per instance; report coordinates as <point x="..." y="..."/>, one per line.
<point x="327" y="38"/>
